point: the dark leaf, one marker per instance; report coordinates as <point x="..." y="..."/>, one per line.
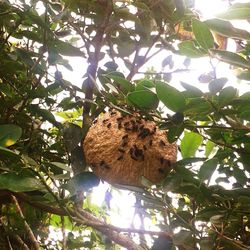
<point x="183" y="238"/>
<point x="217" y="85"/>
<point x="19" y="183"/>
<point x="9" y="154"/>
<point x="61" y="165"/>
<point x="78" y="161"/>
<point x="82" y="182"/>
<point x="227" y="95"/>
<point x="72" y="135"/>
<point x="245" y="115"/>
<point x="9" y="134"/>
<point x="168" y="61"/>
<point x="162" y="243"/>
<point x="174" y="133"/>
<point x="207" y="169"/>
<point x="188" y="48"/>
<point x="112" y="66"/>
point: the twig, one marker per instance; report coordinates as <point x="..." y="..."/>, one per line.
<point x="21" y="243"/>
<point x="233" y="241"/>
<point x="120" y="239"/>
<point x="26" y="225"/>
<point x="16" y="237"/>
<point x="86" y="218"/>
<point x="94" y="59"/>
<point x="135" y="69"/>
<point x="64" y="240"/>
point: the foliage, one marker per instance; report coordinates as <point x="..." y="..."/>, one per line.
<point x="44" y="179"/>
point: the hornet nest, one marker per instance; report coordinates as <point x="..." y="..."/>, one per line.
<point x="123" y="148"/>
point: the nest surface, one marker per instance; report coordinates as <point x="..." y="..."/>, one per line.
<point x="123" y="148"/>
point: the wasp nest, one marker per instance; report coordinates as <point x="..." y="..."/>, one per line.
<point x="123" y="148"/>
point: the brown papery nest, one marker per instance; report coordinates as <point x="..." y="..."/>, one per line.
<point x="121" y="149"/>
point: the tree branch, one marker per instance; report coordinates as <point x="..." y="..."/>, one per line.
<point x="146" y="58"/>
<point x="86" y="218"/>
<point x="26" y="225"/>
<point x="94" y="59"/>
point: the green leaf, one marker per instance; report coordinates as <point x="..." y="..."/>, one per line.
<point x="18" y="183"/>
<point x="189" y="49"/>
<point x="124" y="83"/>
<point x="174" y="133"/>
<point x="192" y="91"/>
<point x="44" y="113"/>
<point x="184" y="238"/>
<point x="61" y="165"/>
<point x="170" y="96"/>
<point x="190" y="143"/>
<point x="227" y="95"/>
<point x="9" y="134"/>
<point x="239" y="11"/>
<point x="207" y="169"/>
<point x="197" y="106"/>
<point x="206" y="213"/>
<point x="144" y="99"/>
<point x="202" y="34"/>
<point x="31" y="35"/>
<point x="244" y="75"/>
<point x="217" y="85"/>
<point x="145" y="84"/>
<point x="225" y="28"/>
<point x="206" y="243"/>
<point x="65" y="48"/>
<point x="209" y="148"/>
<point x="245" y="115"/>
<point x="240" y="176"/>
<point x="125" y="48"/>
<point x="231" y="58"/>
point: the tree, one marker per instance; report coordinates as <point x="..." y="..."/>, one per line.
<point x="41" y="159"/>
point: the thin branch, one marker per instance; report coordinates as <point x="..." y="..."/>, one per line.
<point x="86" y="218"/>
<point x="16" y="237"/>
<point x="21" y="243"/>
<point x="233" y="241"/>
<point x="117" y="237"/>
<point x="26" y="225"/>
<point x="64" y="239"/>
<point x="216" y="127"/>
<point x="163" y="73"/>
<point x="146" y="58"/>
<point x="50" y="191"/>
<point x="94" y="59"/>
<point x="238" y="150"/>
<point x="85" y="39"/>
